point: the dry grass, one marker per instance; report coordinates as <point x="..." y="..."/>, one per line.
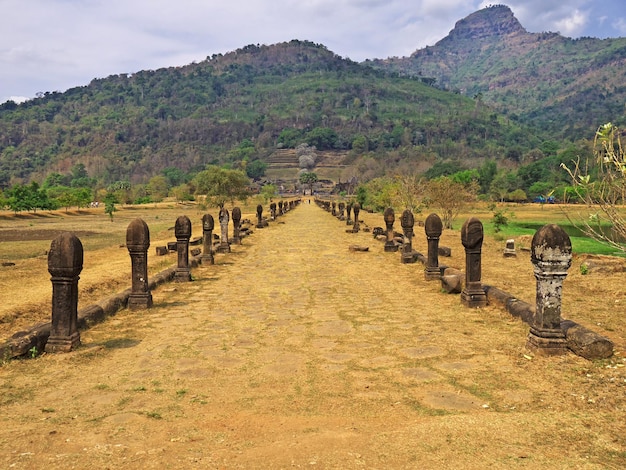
<point x="25" y="240"/>
<point x="294" y="352"/>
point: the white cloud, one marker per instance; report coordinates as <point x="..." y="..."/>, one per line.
<point x="573" y="24"/>
<point x="620" y="25"/>
<point x="58" y="44"/>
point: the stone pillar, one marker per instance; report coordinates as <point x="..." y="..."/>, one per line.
<point x="407" y="221"/>
<point x="333" y="211"/>
<point x="259" y="216"/>
<point x="356" y="209"/>
<point x="65" y="262"/>
<point x="182" y="230"/>
<point x="280" y="208"/>
<point x="390" y="217"/>
<point x="224" y="218"/>
<point x="473" y="294"/>
<point x="137" y="243"/>
<point x="273" y="211"/>
<point x="236" y="215"/>
<point x="433" y="228"/>
<point x="348" y="210"/>
<point x="551" y="255"/>
<point x="208" y="224"/>
<point x="342" y="208"/>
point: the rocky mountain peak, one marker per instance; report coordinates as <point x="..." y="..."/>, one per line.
<point x="493" y="21"/>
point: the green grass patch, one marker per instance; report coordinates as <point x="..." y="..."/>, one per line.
<point x="581" y="243"/>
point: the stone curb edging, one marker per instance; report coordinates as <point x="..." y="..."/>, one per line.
<point x="22" y="342"/>
<point x="580" y="340"/>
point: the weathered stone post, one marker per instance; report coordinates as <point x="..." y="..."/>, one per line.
<point x="509" y="249"/>
<point x="280" y="208"/>
<point x="433" y="228"/>
<point x="273" y="211"/>
<point x="407" y="221"/>
<point x="390" y="217"/>
<point x="342" y="208"/>
<point x="208" y="224"/>
<point x="551" y="255"/>
<point x="236" y="213"/>
<point x="259" y="216"/>
<point x="182" y="230"/>
<point x="224" y="218"/>
<point x="356" y="209"/>
<point x="348" y="211"/>
<point x="333" y="211"/>
<point x="473" y="294"/>
<point x="137" y="243"/>
<point x="65" y="262"/>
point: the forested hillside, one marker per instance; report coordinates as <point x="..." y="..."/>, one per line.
<point x="565" y="86"/>
<point x="240" y="107"/>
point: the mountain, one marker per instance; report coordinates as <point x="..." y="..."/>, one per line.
<point x="565" y="86"/>
<point x="240" y="107"/>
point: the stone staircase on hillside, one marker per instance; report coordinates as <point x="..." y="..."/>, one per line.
<point x="286" y="158"/>
<point x="283" y="158"/>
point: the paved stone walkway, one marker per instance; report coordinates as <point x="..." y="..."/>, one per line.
<point x="290" y="351"/>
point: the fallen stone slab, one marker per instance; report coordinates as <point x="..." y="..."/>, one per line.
<point x="452" y="280"/>
<point x="515" y="307"/>
<point x="358" y="248"/>
<point x="586" y="343"/>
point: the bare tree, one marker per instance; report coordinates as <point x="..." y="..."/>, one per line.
<point x="450" y="197"/>
<point x="602" y="195"/>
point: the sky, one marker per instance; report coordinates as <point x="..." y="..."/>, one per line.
<point x="54" y="45"/>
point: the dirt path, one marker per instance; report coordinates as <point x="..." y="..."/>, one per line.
<point x="293" y="351"/>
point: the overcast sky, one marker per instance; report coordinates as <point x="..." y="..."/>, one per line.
<point x="53" y="45"/>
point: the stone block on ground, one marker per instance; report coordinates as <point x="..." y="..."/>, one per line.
<point x="358" y="248"/>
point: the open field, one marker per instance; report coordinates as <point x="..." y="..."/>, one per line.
<point x="25" y="287"/>
<point x="294" y="352"/>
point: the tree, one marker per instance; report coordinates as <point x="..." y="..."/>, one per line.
<point x="309" y="179"/>
<point x="360" y="144"/>
<point x="109" y="204"/>
<point x="122" y="190"/>
<point x="322" y="138"/>
<point x="409" y="192"/>
<point x="256" y="169"/>
<point x="518" y="196"/>
<point x="268" y="191"/>
<point x="66" y="199"/>
<point x="182" y="193"/>
<point x="220" y="185"/>
<point x="242" y="152"/>
<point x="174" y="176"/>
<point x="500" y="186"/>
<point x="486" y="174"/>
<point x="604" y="192"/>
<point x="157" y="188"/>
<point x="449" y="196"/>
<point x="290" y="137"/>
